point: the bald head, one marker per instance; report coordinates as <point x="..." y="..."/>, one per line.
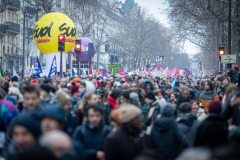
<point x="58" y="141"/>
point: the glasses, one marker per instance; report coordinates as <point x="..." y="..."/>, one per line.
<point x="134" y="86"/>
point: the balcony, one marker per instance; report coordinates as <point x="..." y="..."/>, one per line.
<point x="30" y="10"/>
<point x="2" y="29"/>
<point x="12" y="27"/>
<point x="12" y="4"/>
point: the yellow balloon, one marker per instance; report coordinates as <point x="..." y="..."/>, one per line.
<point x="49" y="27"/>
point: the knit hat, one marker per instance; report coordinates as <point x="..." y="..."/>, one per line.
<point x="14" y="79"/>
<point x="30" y="122"/>
<point x="64" y="79"/>
<point x="117" y="84"/>
<point x="115" y="115"/>
<point x="45" y="87"/>
<point x="151" y="95"/>
<point x="77" y="80"/>
<point x="128" y="112"/>
<point x="34" y="82"/>
<point x="134" y="96"/>
<point x="74" y="88"/>
<point x="167" y="110"/>
<point x="235" y="66"/>
<point x="63" y="98"/>
<point x="53" y="111"/>
<point x="16" y="91"/>
<point x="215" y="107"/>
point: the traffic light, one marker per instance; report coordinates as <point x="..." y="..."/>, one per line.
<point x="61" y="42"/>
<point x="77" y="46"/>
<point x="221" y="50"/>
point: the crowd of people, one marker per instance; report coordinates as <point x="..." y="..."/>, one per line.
<point x="120" y="118"/>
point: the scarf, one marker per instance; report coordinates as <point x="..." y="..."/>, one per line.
<point x="112" y="102"/>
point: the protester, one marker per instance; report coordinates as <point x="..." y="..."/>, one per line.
<point x="32" y="99"/>
<point x="214" y="123"/>
<point x="166" y="137"/>
<point x="127" y="141"/>
<point x="52" y="118"/>
<point x="197" y="111"/>
<point x="25" y="133"/>
<point x="92" y="134"/>
<point x="208" y="95"/>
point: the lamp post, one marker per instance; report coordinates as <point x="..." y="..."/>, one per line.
<point x="229" y="30"/>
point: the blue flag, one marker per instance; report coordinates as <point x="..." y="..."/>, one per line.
<point x="174" y="83"/>
<point x="37" y="68"/>
<point x="73" y="73"/>
<point x="53" y="68"/>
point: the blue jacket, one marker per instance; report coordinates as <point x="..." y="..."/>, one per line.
<point x="92" y="139"/>
<point x="167" y="139"/>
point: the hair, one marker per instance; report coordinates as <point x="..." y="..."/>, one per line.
<point x="157" y="91"/>
<point x="185" y="107"/>
<point x="96" y="108"/>
<point x="168" y="87"/>
<point x="225" y="77"/>
<point x="103" y="84"/>
<point x="116" y="93"/>
<point x="31" y="89"/>
<point x="135" y="82"/>
<point x="193" y="101"/>
<point x="84" y="101"/>
<point x="211" y="85"/>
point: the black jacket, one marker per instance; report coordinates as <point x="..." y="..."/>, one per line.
<point x="72" y="123"/>
<point x="167" y="139"/>
<point x="92" y="139"/>
<point x="212" y="132"/>
<point x="123" y="144"/>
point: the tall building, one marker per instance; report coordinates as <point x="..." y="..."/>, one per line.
<point x="9" y="34"/>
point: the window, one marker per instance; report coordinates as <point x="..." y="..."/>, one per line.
<point x="58" y="4"/>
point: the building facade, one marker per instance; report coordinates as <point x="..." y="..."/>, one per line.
<point x="10" y="53"/>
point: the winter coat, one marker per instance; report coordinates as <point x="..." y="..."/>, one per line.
<point x="206" y="97"/>
<point x="12" y="153"/>
<point x="72" y="123"/>
<point x="92" y="139"/>
<point x="186" y="121"/>
<point x="123" y="144"/>
<point x="212" y="132"/>
<point x="167" y="139"/>
<point x="107" y="109"/>
<point x="150" y="113"/>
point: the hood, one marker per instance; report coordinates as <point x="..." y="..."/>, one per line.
<point x="148" y="81"/>
<point x="164" y="124"/>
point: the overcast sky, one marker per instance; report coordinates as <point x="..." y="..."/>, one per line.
<point x="157" y="7"/>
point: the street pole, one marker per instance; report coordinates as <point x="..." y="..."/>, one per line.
<point x="98" y="56"/>
<point x="78" y="73"/>
<point x="24" y="17"/>
<point x="61" y="70"/>
<point x="229" y="30"/>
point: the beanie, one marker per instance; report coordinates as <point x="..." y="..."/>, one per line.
<point x="63" y="98"/>
<point x="45" y="87"/>
<point x="74" y="88"/>
<point x="134" y="96"/>
<point x="151" y="95"/>
<point x="53" y="111"/>
<point x="128" y="112"/>
<point x="77" y="80"/>
<point x="215" y="107"/>
<point x="30" y="122"/>
<point x="14" y="79"/>
<point x="115" y="115"/>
